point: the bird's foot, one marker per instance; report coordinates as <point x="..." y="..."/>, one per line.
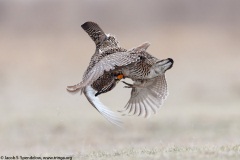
<point x="128" y="85"/>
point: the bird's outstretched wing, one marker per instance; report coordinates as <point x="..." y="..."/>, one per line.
<point x="109" y="115"/>
<point x="146" y="97"/>
<point x="107" y="63"/>
<point x="142" y="47"/>
<point x="95" y="32"/>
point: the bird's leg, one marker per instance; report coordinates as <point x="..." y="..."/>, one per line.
<point x="128" y="85"/>
<point x="139" y="85"/>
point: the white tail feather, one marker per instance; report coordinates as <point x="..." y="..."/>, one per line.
<point x="89" y="92"/>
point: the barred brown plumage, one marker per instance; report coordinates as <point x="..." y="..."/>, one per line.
<point x="110" y="63"/>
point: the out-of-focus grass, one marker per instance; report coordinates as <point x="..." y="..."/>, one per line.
<point x="168" y="152"/>
<point x="171" y="134"/>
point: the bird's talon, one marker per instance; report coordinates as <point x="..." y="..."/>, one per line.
<point x="128" y="85"/>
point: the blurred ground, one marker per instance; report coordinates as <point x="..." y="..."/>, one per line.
<point x="43" y="49"/>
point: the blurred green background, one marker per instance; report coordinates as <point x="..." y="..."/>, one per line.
<point x="43" y="49"/>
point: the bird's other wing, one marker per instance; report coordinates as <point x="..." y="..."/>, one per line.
<point x="107" y="63"/>
<point x="95" y="32"/>
<point x="142" y="47"/>
<point x="147" y="98"/>
<point x="96" y="103"/>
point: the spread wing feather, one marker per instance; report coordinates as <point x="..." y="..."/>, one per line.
<point x="106" y="64"/>
<point x="147" y="98"/>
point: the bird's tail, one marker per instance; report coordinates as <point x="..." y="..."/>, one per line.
<point x="95" y="32"/>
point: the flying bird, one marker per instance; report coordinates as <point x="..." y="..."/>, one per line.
<point x="110" y="63"/>
<point x="106" y="44"/>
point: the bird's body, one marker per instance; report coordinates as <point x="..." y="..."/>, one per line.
<point x="149" y="89"/>
<point x="106" y="44"/>
<point x="110" y="63"/>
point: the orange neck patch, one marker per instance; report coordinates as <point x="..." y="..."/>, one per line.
<point x="120" y="76"/>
